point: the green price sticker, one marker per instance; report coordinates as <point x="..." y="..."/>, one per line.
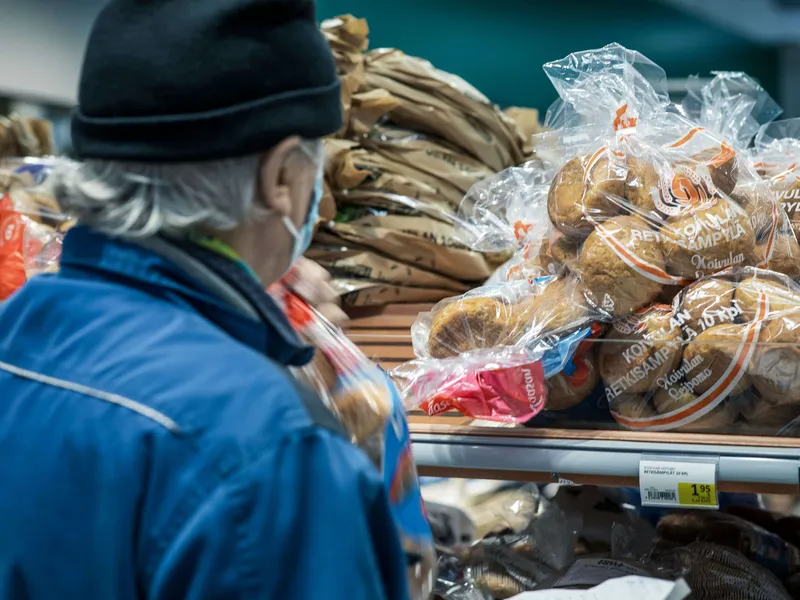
<point x="697" y="494"/>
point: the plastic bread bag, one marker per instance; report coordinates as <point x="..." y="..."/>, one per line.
<point x="716" y="572"/>
<point x="757" y="544"/>
<point x="647" y="192"/>
<point x="576" y="397"/>
<point x="777" y="159"/>
<point x="721" y="358"/>
<point x="537" y="541"/>
<point x="610" y="526"/>
<point x="734" y="107"/>
<point x="32" y="223"/>
<point x="366" y="402"/>
<point x="509" y="212"/>
<point x="732" y="104"/>
<point x="487" y="353"/>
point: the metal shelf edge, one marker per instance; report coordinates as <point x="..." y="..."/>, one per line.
<point x="760" y="465"/>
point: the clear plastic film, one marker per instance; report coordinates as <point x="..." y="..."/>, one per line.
<point x="508" y="212"/>
<point x="732" y="104"/>
<point x="715" y="571"/>
<point x="535" y="540"/>
<point x="366" y="402"/>
<point x="776" y="158"/>
<point x="593" y="83"/>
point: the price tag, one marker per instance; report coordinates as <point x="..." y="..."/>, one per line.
<point x="676" y="484"/>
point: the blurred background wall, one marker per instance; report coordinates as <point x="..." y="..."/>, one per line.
<point x="499" y="46"/>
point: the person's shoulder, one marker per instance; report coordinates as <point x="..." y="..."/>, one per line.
<point x="157" y="355"/>
<point x="214" y="386"/>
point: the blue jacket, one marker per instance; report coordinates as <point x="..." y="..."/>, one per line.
<point x="152" y="445"/>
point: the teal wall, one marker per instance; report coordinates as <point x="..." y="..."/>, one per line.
<point x="500" y="45"/>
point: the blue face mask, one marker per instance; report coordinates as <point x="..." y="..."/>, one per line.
<point x="302" y="237"/>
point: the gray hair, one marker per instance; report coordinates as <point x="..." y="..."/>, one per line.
<point x="132" y="199"/>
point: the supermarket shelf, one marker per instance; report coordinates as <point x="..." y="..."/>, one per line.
<point x="449" y="447"/>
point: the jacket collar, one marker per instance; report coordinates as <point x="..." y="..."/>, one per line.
<point x="211" y="285"/>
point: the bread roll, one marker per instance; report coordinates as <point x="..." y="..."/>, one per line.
<point x="645" y="347"/>
<point x="557" y="305"/>
<point x="470" y="323"/>
<point x="718" y="420"/>
<point x="757" y="200"/>
<point x="633" y="406"/>
<point x="589" y="186"/>
<point x="779" y="296"/>
<point x="787" y="191"/>
<point x="364" y="407"/>
<point x="764" y="418"/>
<point x="784" y="257"/>
<point x="775" y="368"/>
<point x="609" y="280"/>
<point x="723" y="166"/>
<point x="703" y="240"/>
<point x="552" y="256"/>
<point x="640" y="183"/>
<point x="707" y="358"/>
<point x="707" y="303"/>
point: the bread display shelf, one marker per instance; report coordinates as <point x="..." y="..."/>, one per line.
<point x="452" y="446"/>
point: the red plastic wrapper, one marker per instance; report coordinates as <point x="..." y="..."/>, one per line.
<point x="31" y="223"/>
<point x="514" y="394"/>
<point x="12" y="262"/>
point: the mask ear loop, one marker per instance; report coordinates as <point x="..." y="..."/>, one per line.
<point x="287" y="222"/>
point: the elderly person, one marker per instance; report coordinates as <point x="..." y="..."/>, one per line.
<point x="154" y="444"/>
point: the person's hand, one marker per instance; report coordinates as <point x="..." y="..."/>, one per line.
<point x="312" y="283"/>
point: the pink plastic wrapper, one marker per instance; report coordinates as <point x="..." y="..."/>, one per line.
<point x="514" y="394"/>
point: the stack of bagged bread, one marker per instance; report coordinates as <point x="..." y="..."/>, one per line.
<point x="415" y="139"/>
<point x="664" y="254"/>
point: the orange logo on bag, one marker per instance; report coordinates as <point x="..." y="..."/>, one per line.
<point x="725" y="154"/>
<point x="621" y="121"/>
<point x="298" y="312"/>
<point x="686" y="192"/>
<point x="786" y="173"/>
<point x="11" y="228"/>
<point x="12" y="263"/>
<point x="521" y="230"/>
<point x="685" y="139"/>
<point x="685" y="189"/>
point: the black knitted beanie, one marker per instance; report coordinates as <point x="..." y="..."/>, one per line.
<point x="191" y="80"/>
